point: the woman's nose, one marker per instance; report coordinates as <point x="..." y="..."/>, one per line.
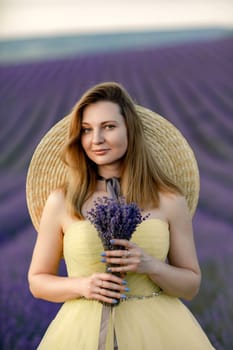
<point x="98" y="137"/>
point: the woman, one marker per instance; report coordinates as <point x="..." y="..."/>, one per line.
<point x="107" y="140"/>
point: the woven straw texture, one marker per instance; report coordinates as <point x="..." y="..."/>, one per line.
<point x="173" y="153"/>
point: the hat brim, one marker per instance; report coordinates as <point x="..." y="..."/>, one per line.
<point x="173" y="153"/>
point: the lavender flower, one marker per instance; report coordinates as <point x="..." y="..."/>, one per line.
<point x="114" y="219"/>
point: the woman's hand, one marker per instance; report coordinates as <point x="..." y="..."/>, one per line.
<point x="133" y="258"/>
<point x="104" y="287"/>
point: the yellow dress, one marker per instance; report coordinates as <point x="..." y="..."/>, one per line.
<point x="156" y="323"/>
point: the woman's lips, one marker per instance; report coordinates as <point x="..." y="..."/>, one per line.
<point x="100" y="151"/>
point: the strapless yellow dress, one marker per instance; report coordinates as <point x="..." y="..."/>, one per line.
<point x="156" y="323"/>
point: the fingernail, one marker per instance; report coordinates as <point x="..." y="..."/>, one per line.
<point x="109" y="270"/>
<point x="123" y="296"/>
<point x="114" y="301"/>
<point x="124" y="282"/>
<point x="103" y="260"/>
<point x="127" y="289"/>
<point x="112" y="241"/>
<point x="103" y="254"/>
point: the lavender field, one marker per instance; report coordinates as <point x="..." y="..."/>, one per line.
<point x="189" y="84"/>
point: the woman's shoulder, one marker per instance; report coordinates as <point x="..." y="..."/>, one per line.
<point x="56" y="200"/>
<point x="54" y="210"/>
<point x="171" y="198"/>
<point x="174" y="204"/>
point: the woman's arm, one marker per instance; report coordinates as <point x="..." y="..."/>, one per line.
<point x="42" y="276"/>
<point x="180" y="277"/>
<point x="43" y="280"/>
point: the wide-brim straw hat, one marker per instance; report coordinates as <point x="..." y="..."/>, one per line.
<point x="169" y="147"/>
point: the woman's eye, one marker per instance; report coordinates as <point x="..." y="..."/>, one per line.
<point x="109" y="126"/>
<point x="86" y="130"/>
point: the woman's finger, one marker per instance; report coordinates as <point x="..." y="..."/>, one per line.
<point x="107" y="295"/>
<point x="123" y="242"/>
<point x="104" y="299"/>
<point x="111" y="253"/>
<point x="108" y="277"/>
<point x="123" y="268"/>
<point x="120" y="261"/>
<point x="121" y="253"/>
<point x="114" y="286"/>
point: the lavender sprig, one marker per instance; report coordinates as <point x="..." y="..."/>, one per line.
<point x="114" y="219"/>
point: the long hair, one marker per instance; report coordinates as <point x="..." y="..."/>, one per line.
<point x="141" y="180"/>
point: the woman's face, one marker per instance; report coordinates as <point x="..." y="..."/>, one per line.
<point x="104" y="133"/>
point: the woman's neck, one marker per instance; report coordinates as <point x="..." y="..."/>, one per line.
<point x="108" y="172"/>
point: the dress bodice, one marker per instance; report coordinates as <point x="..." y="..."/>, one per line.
<point x="83" y="248"/>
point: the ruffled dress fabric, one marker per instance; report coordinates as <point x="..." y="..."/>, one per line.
<point x="159" y="322"/>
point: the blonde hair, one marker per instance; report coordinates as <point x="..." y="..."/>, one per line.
<point x="141" y="180"/>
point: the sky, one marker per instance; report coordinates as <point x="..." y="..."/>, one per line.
<point x="30" y="18"/>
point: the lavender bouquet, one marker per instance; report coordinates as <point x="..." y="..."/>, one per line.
<point x="114" y="219"/>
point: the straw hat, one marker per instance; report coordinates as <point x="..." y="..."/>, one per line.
<point x="173" y="153"/>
